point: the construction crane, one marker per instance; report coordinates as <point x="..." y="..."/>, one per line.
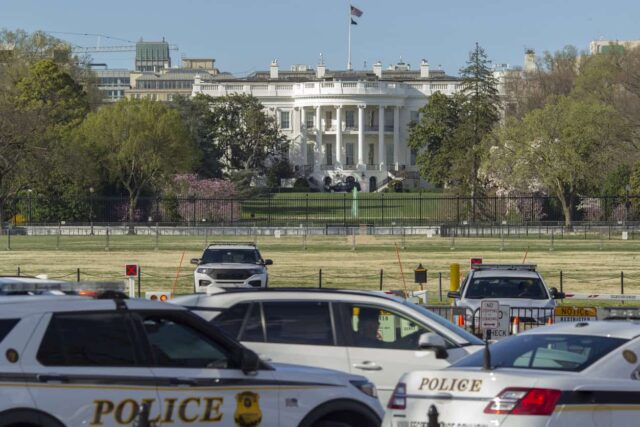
<point x="102" y="49"/>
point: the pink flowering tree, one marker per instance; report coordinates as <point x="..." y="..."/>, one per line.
<point x="211" y="200"/>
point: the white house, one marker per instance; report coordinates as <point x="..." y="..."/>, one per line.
<point x="343" y="123"/>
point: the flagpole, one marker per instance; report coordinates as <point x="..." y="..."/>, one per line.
<point x="349" y="21"/>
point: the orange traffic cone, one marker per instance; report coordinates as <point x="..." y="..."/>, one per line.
<point x="515" y="327"/>
<point x="550" y="320"/>
<point x="461" y="320"/>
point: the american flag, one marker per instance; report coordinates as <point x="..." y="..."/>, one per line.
<point x="356" y="12"/>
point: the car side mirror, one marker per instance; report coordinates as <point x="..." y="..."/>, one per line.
<point x="249" y="362"/>
<point x="555" y="294"/>
<point x="268" y="262"/>
<point x="454" y="294"/>
<point x="433" y="341"/>
<point x="195" y="261"/>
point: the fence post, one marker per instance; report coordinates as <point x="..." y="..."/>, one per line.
<point x="381" y="277"/>
<point x="139" y="281"/>
<point x="269" y="211"/>
<point x="18" y="270"/>
<point x="344" y="209"/>
<point x="106" y="248"/>
<point x="440" y="285"/>
<point x="457" y="210"/>
<point x="622" y="283"/>
<point x="320" y="278"/>
<point x="561" y="281"/>
<point x="9" y="237"/>
<point x="420" y="206"/>
<point x="78" y="274"/>
<point x="382" y="207"/>
<point x="306" y="209"/>
<point x="58" y="236"/>
<point x="158" y="236"/>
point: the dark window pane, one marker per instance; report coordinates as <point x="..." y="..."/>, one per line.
<point x="6" y="325"/>
<point x="231" y="320"/>
<point x="298" y="322"/>
<point x="176" y="344"/>
<point x="253" y="329"/>
<point x="87" y="339"/>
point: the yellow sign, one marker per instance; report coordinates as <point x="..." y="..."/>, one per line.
<point x="248" y="412"/>
<point x="576" y="311"/>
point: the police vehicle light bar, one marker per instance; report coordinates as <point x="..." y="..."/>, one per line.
<point x="231" y="244"/>
<point x="70" y="288"/>
<point x="519" y="267"/>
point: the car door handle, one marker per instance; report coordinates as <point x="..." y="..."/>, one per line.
<point x="52" y="378"/>
<point x="367" y="365"/>
<point x="184" y="381"/>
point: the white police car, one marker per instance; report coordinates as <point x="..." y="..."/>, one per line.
<point x="361" y="332"/>
<point x="74" y="361"/>
<point x="574" y="374"/>
<point x="518" y="286"/>
<point x="230" y="265"/>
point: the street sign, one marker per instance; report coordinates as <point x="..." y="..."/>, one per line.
<point x="489" y="314"/>
<point x="575" y="314"/>
<point x="131" y="270"/>
<point x="504" y="324"/>
<point x="475" y="262"/>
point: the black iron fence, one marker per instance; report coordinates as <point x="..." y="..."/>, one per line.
<point x="408" y="209"/>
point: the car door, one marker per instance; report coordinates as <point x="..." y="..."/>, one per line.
<point x="300" y="332"/>
<point x="199" y="377"/>
<point x="87" y="369"/>
<point x="382" y="344"/>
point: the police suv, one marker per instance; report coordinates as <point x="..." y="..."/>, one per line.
<point x="75" y="361"/>
<point x="565" y="375"/>
<point x="230" y="265"/>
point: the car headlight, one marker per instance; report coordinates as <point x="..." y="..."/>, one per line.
<point x="205" y="270"/>
<point x="366" y="387"/>
<point x="256" y="271"/>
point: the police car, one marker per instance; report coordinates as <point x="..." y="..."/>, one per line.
<point x="230" y="265"/>
<point x="74" y="361"/>
<point x="518" y="286"/>
<point x="372" y="334"/>
<point x="574" y="374"/>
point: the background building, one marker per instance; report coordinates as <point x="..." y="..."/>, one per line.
<point x="603" y="46"/>
<point x="113" y="83"/>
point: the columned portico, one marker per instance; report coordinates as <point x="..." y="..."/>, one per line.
<point x="396" y="136"/>
<point x="319" y="149"/>
<point x="361" y="108"/>
<point x="339" y="136"/>
<point x="381" y="148"/>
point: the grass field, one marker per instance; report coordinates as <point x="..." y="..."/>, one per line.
<point x="587" y="265"/>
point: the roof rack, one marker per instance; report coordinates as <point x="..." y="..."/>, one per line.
<point x="36" y="287"/>
<point x="231" y="244"/>
<point x="519" y="267"/>
<point x="368" y="292"/>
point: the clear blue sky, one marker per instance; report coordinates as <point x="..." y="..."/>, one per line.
<point x="245" y="35"/>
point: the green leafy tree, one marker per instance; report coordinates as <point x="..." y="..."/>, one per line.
<point x="139" y="144"/>
<point x="567" y="148"/>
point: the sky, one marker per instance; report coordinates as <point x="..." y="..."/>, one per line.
<point x="246" y="35"/>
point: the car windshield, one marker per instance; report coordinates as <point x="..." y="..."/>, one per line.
<point x="240" y="256"/>
<point x="471" y="339"/>
<point x="506" y="287"/>
<point x="556" y="352"/>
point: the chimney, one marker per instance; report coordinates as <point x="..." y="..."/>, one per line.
<point x="377" y="69"/>
<point x="274" y="69"/>
<point x="530" y="61"/>
<point x="320" y="71"/>
<point x="424" y="69"/>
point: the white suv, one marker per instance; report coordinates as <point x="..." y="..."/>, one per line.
<point x="70" y="361"/>
<point x="230" y="265"/>
<point x="354" y="331"/>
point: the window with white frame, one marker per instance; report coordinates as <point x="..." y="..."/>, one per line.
<point x="350" y="119"/>
<point x="309" y="119"/>
<point x="285" y="123"/>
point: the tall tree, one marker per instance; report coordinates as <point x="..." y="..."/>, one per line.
<point x="567" y="147"/>
<point x="138" y="144"/>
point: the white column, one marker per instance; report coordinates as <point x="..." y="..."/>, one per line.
<point x="396" y="136"/>
<point x="339" y="136"/>
<point x="319" y="148"/>
<point x="361" y="108"/>
<point x="381" y="150"/>
<point x="303" y="136"/>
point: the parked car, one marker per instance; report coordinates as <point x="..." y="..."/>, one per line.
<point x="72" y="361"/>
<point x="565" y="375"/>
<point x="515" y="285"/>
<point x="361" y="332"/>
<point x="345" y="186"/>
<point x="224" y="265"/>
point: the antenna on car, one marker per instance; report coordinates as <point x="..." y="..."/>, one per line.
<point x="486" y="359"/>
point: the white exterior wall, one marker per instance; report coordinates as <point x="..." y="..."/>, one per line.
<point x="349" y="95"/>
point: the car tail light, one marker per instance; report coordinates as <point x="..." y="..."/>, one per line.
<point x="524" y="401"/>
<point x="398" y="399"/>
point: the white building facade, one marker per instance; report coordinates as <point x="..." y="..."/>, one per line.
<point x="344" y="123"/>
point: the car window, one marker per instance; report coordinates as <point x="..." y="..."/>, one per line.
<point x="230" y="321"/>
<point x="506" y="287"/>
<point x="253" y="330"/>
<point x="441" y="321"/>
<point x="241" y="256"/>
<point x="87" y="339"/>
<point x="377" y="327"/>
<point x="177" y="344"/>
<point x="6" y="325"/>
<point x="556" y="352"/>
<point x="298" y="322"/>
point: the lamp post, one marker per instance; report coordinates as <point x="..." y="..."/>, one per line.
<point x="91" y="210"/>
<point x="627" y="188"/>
<point x="29" y="192"/>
